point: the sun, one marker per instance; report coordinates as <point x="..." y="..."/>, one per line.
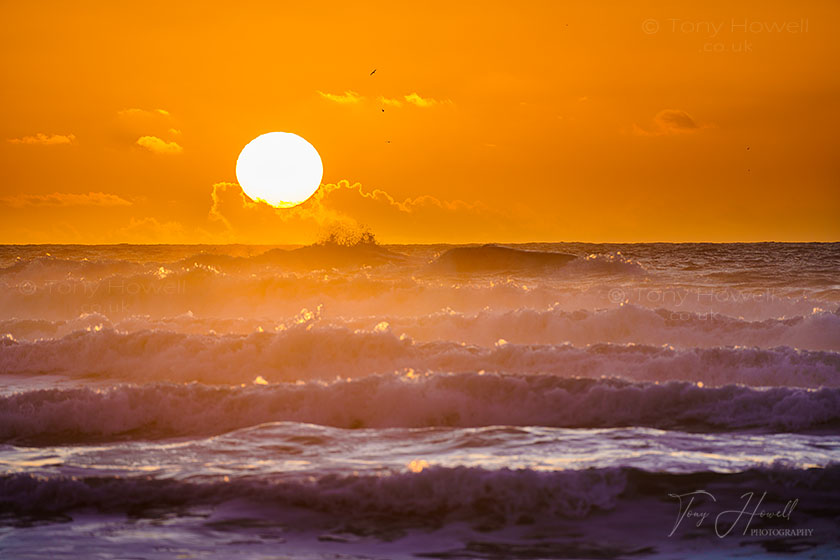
<point x="279" y="168"/>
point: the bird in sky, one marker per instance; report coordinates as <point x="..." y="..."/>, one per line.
<point x="374" y="72"/>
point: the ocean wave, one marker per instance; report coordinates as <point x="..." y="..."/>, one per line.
<point x="819" y="330"/>
<point x="207" y="288"/>
<point x="490" y="258"/>
<point x="317" y="257"/>
<point x="629" y="323"/>
<point x="155" y="411"/>
<point x="436" y="496"/>
<point x="45" y="268"/>
<point x="305" y="351"/>
<point x="613" y="263"/>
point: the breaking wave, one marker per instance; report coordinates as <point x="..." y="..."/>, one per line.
<point x="305" y="351"/>
<point x="484" y="499"/>
<point x="155" y="411"/>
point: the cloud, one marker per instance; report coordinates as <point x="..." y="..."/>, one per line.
<point x="151" y="230"/>
<point x="133" y="112"/>
<point x="351" y="97"/>
<point x="413" y="99"/>
<point x="234" y="218"/>
<point x="42" y="139"/>
<point x="390" y="102"/>
<point x="64" y="199"/>
<point x="239" y="216"/>
<point x="152" y="129"/>
<point x="158" y="146"/>
<point x="669" y="121"/>
<point x="343" y="196"/>
<point x="348" y="97"/>
<point x="239" y="219"/>
<point x="675" y="121"/>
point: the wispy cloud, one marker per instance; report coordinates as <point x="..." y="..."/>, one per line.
<point x="64" y="199"/>
<point x="346" y="98"/>
<point x="42" y="139"/>
<point x="134" y="112"/>
<point x="151" y="230"/>
<point x="669" y="121"/>
<point x="414" y="99"/>
<point x="390" y="102"/>
<point x="151" y="129"/>
<point x="158" y="146"/>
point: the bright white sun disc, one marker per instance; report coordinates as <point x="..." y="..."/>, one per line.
<point x="279" y="168"/>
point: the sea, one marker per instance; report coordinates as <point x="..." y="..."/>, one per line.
<point x="351" y="400"/>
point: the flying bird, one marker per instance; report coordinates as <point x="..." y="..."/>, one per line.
<point x="374" y="72"/>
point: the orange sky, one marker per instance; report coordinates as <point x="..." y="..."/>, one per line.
<point x="528" y="121"/>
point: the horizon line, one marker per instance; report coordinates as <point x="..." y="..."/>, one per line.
<point x="425" y="243"/>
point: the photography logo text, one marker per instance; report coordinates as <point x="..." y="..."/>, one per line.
<point x="701" y="508"/>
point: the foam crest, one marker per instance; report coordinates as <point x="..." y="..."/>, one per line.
<point x="490" y="499"/>
<point x="465" y="400"/>
<point x="305" y="351"/>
